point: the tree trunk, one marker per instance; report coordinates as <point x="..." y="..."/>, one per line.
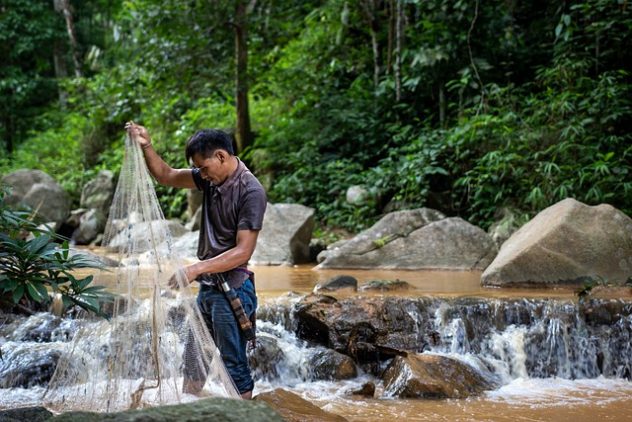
<point x="63" y="6"/>
<point x="61" y="71"/>
<point x="369" y="8"/>
<point x="442" y="106"/>
<point x="391" y="35"/>
<point x="243" y="134"/>
<point x="398" y="51"/>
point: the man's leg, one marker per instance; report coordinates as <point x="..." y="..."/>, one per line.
<point x="195" y="367"/>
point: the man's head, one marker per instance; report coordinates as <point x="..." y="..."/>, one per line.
<point x="211" y="151"/>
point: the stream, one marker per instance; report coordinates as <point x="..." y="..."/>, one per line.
<point x="550" y="364"/>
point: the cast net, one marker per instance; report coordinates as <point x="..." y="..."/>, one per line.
<point x="154" y="339"/>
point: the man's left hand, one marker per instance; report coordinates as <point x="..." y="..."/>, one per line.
<point x="182" y="277"/>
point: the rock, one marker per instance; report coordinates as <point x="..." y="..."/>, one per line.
<point x="31" y="414"/>
<point x="37" y="328"/>
<point x="510" y="221"/>
<point x="367" y="390"/>
<point x="449" y="243"/>
<point x="196" y="221"/>
<point x="27" y="365"/>
<point x="140" y="234"/>
<point x="40" y="192"/>
<point x="316" y="246"/>
<point x="266" y="357"/>
<point x="91" y="223"/>
<point x="284" y="239"/>
<point x="194" y="202"/>
<point x="568" y="242"/>
<point x="385" y="285"/>
<point x="211" y="409"/>
<point x="294" y="409"/>
<point x="432" y="376"/>
<point x="185" y="246"/>
<point x="98" y="193"/>
<point x="369" y="329"/>
<point x="357" y="195"/>
<point x="327" y="364"/>
<point x="339" y="282"/>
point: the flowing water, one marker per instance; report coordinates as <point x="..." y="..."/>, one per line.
<point x="549" y="369"/>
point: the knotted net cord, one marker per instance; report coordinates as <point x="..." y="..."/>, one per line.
<point x="139" y="357"/>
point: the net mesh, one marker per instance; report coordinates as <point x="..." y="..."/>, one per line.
<point x="141" y="355"/>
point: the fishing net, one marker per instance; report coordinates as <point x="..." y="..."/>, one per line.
<point x="154" y="338"/>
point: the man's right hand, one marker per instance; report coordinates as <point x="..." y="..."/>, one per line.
<point x="138" y="134"/>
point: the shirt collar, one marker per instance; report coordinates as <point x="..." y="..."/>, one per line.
<point x="232" y="179"/>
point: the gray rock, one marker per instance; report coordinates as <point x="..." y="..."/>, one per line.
<point x="266" y="357"/>
<point x="568" y="242"/>
<point x="31" y="414"/>
<point x="385" y="286"/>
<point x="91" y="223"/>
<point x="211" y="409"/>
<point x="98" y="192"/>
<point x="356" y="195"/>
<point x="40" y="192"/>
<point x="449" y="243"/>
<point x="510" y="221"/>
<point x="194" y="202"/>
<point x="27" y="365"/>
<point x="143" y="235"/>
<point x="432" y="376"/>
<point x="196" y="221"/>
<point x="284" y="239"/>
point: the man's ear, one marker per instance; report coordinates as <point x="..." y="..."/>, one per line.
<point x="221" y="155"/>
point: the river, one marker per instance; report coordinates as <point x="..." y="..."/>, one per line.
<point x="520" y="398"/>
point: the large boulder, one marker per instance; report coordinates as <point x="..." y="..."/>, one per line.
<point x="91" y="223"/>
<point x="416" y="239"/>
<point x="27" y="364"/>
<point x="295" y="409"/>
<point x="568" y="242"/>
<point x="21" y="414"/>
<point x="40" y="192"/>
<point x="210" y="409"/>
<point x="140" y="235"/>
<point x="284" y="239"/>
<point x="328" y="364"/>
<point x="432" y="376"/>
<point x="98" y="192"/>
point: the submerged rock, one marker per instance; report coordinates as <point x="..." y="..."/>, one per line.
<point x="211" y="409"/>
<point x="569" y="243"/>
<point x="339" y="282"/>
<point x="295" y="409"/>
<point x="432" y="376"/>
<point x="385" y="285"/>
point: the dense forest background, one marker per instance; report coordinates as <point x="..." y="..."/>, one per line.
<point x="468" y="107"/>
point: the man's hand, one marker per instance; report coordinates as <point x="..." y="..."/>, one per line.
<point x="138" y="134"/>
<point x="182" y="277"/>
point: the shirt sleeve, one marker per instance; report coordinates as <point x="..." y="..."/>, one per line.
<point x="252" y="210"/>
<point x="197" y="179"/>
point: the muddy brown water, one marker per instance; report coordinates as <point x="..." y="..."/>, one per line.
<point x="522" y="400"/>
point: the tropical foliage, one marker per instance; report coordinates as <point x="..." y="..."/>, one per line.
<point x="464" y="106"/>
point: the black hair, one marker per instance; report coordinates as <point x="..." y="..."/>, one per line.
<point x="206" y="141"/>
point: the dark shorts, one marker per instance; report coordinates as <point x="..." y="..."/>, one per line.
<point x="229" y="339"/>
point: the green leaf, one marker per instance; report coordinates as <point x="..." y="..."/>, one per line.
<point x="18" y="293"/>
<point x="34" y="292"/>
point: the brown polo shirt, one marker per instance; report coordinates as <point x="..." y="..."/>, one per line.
<point x="237" y="204"/>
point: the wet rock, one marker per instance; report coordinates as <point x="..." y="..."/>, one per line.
<point x="284" y="239"/>
<point x="211" y="409"/>
<point x="367" y="390"/>
<point x="385" y="286"/>
<point x="328" y="364"/>
<point x="449" y="243"/>
<point x="367" y="329"/>
<point x="266" y="357"/>
<point x="569" y="243"/>
<point x="27" y="366"/>
<point x="295" y="409"/>
<point x="37" y="328"/>
<point x="432" y="376"/>
<point x="143" y="235"/>
<point x="40" y="192"/>
<point x="339" y="282"/>
<point x="91" y="223"/>
<point x="31" y="414"/>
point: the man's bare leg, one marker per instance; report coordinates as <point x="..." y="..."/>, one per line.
<point x="247" y="395"/>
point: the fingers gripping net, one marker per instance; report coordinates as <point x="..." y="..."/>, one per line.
<point x="152" y="342"/>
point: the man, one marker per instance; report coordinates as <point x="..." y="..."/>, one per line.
<point x="234" y="203"/>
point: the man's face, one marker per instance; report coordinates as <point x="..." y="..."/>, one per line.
<point x="211" y="168"/>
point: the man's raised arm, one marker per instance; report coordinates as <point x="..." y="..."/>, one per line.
<point x="162" y="172"/>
